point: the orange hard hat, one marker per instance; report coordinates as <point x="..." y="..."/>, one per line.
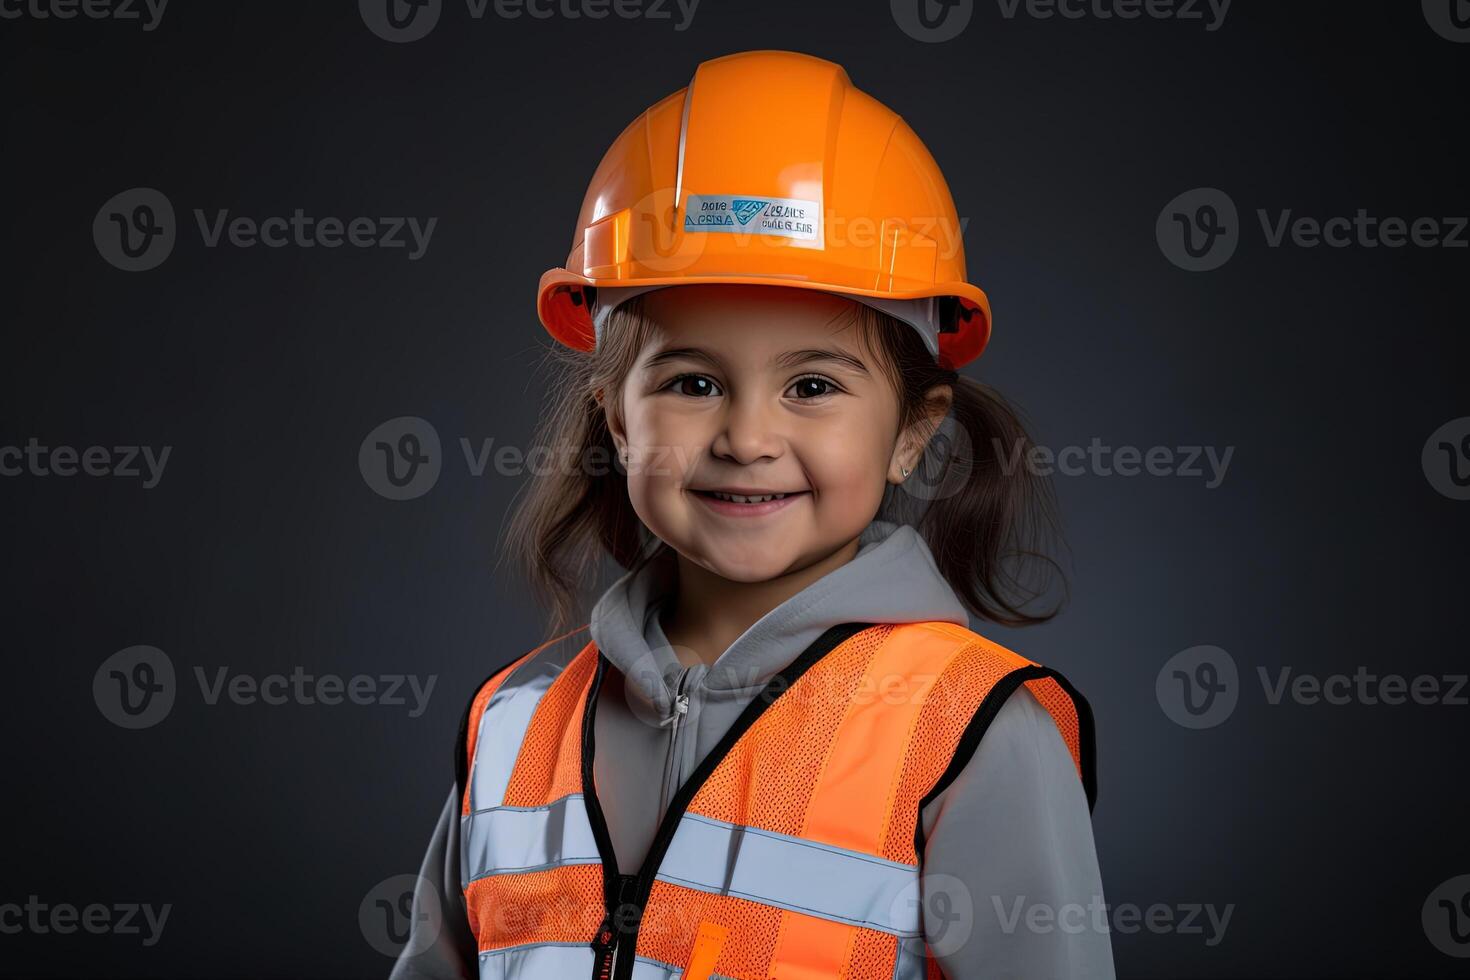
<point x="770" y="168"/>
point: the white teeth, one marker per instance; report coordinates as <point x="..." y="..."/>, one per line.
<point x="739" y="499"/>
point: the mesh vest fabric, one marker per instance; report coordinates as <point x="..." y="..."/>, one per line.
<point x="800" y="844"/>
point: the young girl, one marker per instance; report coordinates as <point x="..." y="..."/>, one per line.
<point x="775" y="749"/>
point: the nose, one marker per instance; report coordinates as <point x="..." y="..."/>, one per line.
<point x="748" y="432"/>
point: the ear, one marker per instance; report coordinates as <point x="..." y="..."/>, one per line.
<point x="911" y="442"/>
<point x="614" y="422"/>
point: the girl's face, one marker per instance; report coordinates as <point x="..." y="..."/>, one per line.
<point x="755" y="391"/>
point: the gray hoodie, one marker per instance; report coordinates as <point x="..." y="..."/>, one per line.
<point x="1009" y="841"/>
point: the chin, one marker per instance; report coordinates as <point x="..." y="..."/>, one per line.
<point x="746" y="572"/>
<point x="740" y="560"/>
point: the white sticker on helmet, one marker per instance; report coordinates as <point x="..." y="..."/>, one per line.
<point x="752" y="214"/>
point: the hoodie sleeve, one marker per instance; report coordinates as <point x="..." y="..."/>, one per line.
<point x="440" y="946"/>
<point x="1011" y="884"/>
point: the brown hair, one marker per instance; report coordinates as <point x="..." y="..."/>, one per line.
<point x="987" y="518"/>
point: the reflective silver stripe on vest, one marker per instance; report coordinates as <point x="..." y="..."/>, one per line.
<point x="909" y="963"/>
<point x="793" y="873"/>
<point x="507" y="716"/>
<point x="645" y="968"/>
<point x="515" y="838"/>
<point x="537" y="961"/>
<point x="560" y="961"/>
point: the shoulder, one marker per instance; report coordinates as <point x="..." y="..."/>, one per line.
<point x="968" y="649"/>
<point x="1009" y="704"/>
<point x="551" y="657"/>
<point x="1020" y="780"/>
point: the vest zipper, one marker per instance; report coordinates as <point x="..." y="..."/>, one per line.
<point x="606" y="942"/>
<point x="617" y="936"/>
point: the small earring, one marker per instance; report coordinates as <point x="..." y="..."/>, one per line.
<point x="905" y="471"/>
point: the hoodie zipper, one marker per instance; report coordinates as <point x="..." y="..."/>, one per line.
<point x="616" y="939"/>
<point x="681" y="712"/>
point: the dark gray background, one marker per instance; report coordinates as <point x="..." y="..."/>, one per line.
<point x="263" y="548"/>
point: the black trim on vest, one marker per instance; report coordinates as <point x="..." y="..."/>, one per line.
<point x="462" y="746"/>
<point x="979" y="724"/>
<point x="633" y="890"/>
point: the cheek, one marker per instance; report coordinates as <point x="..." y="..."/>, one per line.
<point x="667" y="444"/>
<point x="849" y="460"/>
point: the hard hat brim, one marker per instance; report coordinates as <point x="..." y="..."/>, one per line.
<point x="564" y="312"/>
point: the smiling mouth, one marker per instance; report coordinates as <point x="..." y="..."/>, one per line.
<point x="743" y="498"/>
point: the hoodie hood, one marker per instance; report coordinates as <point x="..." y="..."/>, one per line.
<point x="892" y="579"/>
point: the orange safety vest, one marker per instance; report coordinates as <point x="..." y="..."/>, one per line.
<point x="792" y="852"/>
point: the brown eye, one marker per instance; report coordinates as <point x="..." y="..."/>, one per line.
<point x="813" y="386"/>
<point x="693" y="385"/>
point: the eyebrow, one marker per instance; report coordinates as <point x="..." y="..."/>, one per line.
<point x="679" y="353"/>
<point x="787" y="359"/>
<point x="793" y="358"/>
